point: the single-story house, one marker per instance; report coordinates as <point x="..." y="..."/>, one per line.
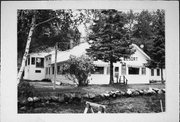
<point x="131" y="70"/>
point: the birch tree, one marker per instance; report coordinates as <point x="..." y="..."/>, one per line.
<point x="54" y="25"/>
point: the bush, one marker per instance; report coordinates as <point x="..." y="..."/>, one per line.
<point x="79" y="67"/>
<point x="25" y="90"/>
<point x="46" y="80"/>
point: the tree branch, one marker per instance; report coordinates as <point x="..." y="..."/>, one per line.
<point x="45" y="21"/>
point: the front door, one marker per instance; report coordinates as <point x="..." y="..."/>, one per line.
<point x="116" y="74"/>
<point x="123" y="69"/>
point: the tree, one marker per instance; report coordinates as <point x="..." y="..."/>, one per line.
<point x="109" y="39"/>
<point x="142" y="30"/>
<point x="48" y="26"/>
<point x="78" y="68"/>
<point x="158" y="49"/>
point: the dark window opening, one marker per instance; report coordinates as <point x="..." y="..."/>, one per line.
<point x="152" y="72"/>
<point x="46" y="70"/>
<point x="99" y="70"/>
<point x="32" y="60"/>
<point x="49" y="70"/>
<point x="53" y="70"/>
<point x="133" y="71"/>
<point x="40" y="62"/>
<point x="28" y="61"/>
<point x="37" y="71"/>
<point x="158" y="72"/>
<point x="116" y="69"/>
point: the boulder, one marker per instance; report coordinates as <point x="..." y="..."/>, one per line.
<point x="135" y="93"/>
<point x="54" y="98"/>
<point x="129" y="92"/>
<point x="61" y="98"/>
<point x="35" y="99"/>
<point x="91" y="96"/>
<point x="30" y="99"/>
<point x="23" y="108"/>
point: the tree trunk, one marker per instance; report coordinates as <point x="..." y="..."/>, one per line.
<point x="55" y="67"/>
<point x="111" y="73"/>
<point x="26" y="50"/>
<point x="162" y="79"/>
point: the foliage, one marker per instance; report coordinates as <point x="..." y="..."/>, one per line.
<point x="46" y="80"/>
<point x="158" y="49"/>
<point x="142" y="30"/>
<point x="25" y="90"/>
<point x="61" y="28"/>
<point x="109" y="39"/>
<point x="79" y="67"/>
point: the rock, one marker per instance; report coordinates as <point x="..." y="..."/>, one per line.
<point x="129" y="92"/>
<point x="97" y="98"/>
<point x="106" y="95"/>
<point x="61" y="99"/>
<point x="135" y="93"/>
<point x="91" y="96"/>
<point x="35" y="99"/>
<point x="141" y="92"/>
<point x="151" y="91"/>
<point x="85" y="96"/>
<point x="145" y="92"/>
<point x="155" y="89"/>
<point x="23" y="108"/>
<point x="73" y="95"/>
<point x="30" y="99"/>
<point x="54" y="98"/>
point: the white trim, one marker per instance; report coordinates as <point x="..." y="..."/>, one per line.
<point x="141" y="51"/>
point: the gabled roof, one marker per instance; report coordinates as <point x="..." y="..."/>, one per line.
<point x="80" y="50"/>
<point x="140" y="50"/>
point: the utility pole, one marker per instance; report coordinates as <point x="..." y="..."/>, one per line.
<point x="55" y="67"/>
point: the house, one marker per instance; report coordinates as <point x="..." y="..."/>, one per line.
<point x="131" y="70"/>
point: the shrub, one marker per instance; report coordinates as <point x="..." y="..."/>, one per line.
<point x="25" y="90"/>
<point x="79" y="68"/>
<point x="46" y="80"/>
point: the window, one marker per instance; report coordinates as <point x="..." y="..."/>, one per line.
<point x="32" y="60"/>
<point x="99" y="70"/>
<point x="28" y="61"/>
<point x="40" y="62"/>
<point x="37" y="71"/>
<point x="46" y="70"/>
<point x="158" y="72"/>
<point x="53" y="70"/>
<point x="152" y="72"/>
<point x="116" y="69"/>
<point x="143" y="70"/>
<point x="58" y="70"/>
<point x="49" y="70"/>
<point x="133" y="71"/>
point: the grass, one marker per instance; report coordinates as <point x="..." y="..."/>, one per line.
<point x="138" y="104"/>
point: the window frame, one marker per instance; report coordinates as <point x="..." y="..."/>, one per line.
<point x="130" y="72"/>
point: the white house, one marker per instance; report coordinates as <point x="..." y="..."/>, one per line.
<point x="131" y="70"/>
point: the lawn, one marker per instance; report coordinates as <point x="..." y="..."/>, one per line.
<point x="134" y="104"/>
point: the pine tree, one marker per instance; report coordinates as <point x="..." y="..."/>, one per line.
<point x="158" y="50"/>
<point x="109" y="39"/>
